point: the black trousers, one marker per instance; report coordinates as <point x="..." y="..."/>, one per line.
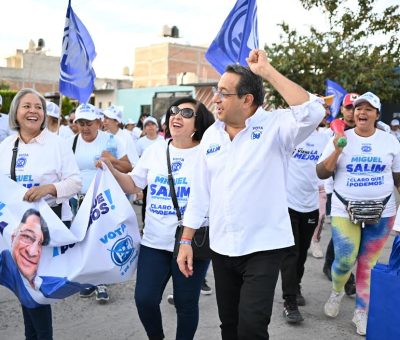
<point x="38" y="323"/>
<point x="292" y="266"/>
<point x="245" y="287"/>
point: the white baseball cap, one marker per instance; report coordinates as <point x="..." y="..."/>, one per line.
<point x="113" y="112"/>
<point x="150" y="119"/>
<point x="85" y="111"/>
<point x="369" y="97"/>
<point x="52" y="110"/>
<point x="395" y="122"/>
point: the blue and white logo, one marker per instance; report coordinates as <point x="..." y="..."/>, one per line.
<point x="176" y="166"/>
<point x="366" y="148"/>
<point x="20" y="163"/>
<point x="213" y="148"/>
<point x="256" y="134"/>
<point x="122" y="251"/>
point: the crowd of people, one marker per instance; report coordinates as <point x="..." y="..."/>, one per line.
<point x="264" y="183"/>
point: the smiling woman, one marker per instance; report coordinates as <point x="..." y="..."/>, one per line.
<point x="43" y="163"/>
<point x="365" y="171"/>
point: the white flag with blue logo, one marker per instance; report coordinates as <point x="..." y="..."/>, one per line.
<point x="76" y="72"/>
<point x="338" y="92"/>
<point x="237" y="37"/>
<point x="44" y="261"/>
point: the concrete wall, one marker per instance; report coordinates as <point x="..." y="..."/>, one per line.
<point x="132" y="99"/>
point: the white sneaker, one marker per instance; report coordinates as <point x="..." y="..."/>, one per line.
<point x="316" y="250"/>
<point x="360" y="320"/>
<point x="332" y="306"/>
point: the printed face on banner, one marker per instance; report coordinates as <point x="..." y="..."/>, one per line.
<point x="27" y="247"/>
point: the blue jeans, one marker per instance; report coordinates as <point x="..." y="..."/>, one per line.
<point x="38" y="323"/>
<point x="155" y="267"/>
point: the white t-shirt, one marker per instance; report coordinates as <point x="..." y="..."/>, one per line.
<point x="302" y="184"/>
<point x="144" y="143"/>
<point x="86" y="155"/>
<point x="65" y="132"/>
<point x="46" y="159"/>
<point x="130" y="148"/>
<point x="243" y="181"/>
<point x="364" y="169"/>
<point x="151" y="170"/>
<point x="4" y="127"/>
<point x="136" y="133"/>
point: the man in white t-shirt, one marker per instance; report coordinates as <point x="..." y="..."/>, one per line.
<point x="241" y="181"/>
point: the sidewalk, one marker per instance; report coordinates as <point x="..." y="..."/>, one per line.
<point x="76" y="318"/>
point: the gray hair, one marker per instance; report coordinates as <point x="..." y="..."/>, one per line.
<point x="12" y="116"/>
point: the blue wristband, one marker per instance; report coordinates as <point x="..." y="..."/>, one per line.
<point x="185" y="242"/>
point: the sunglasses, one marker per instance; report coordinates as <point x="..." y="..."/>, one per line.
<point x="71" y="121"/>
<point x="185" y="112"/>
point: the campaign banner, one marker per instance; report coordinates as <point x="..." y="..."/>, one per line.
<point x="41" y="260"/>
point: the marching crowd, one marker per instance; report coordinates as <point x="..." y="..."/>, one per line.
<point x="262" y="182"/>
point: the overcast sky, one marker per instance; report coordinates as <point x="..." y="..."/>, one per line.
<point x="117" y="27"/>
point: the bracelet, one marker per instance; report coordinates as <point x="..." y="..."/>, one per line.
<point x="185" y="242"/>
<point x="186" y="238"/>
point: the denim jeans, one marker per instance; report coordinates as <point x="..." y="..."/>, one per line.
<point x="155" y="267"/>
<point x="38" y="323"/>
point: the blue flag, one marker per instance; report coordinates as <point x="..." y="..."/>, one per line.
<point x="237" y="37"/>
<point x="338" y="92"/>
<point x="76" y="72"/>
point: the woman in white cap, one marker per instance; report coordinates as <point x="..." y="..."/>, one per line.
<point x="111" y="123"/>
<point x="187" y="120"/>
<point x="365" y="169"/>
<point x="150" y="129"/>
<point x="44" y="164"/>
<point x="88" y="146"/>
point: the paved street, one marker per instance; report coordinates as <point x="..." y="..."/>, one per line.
<point x="76" y="318"/>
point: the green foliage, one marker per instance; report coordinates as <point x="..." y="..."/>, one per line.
<point x="67" y="106"/>
<point x="361" y="51"/>
<point x="7" y="99"/>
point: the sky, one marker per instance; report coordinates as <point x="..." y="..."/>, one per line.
<point x="117" y="27"/>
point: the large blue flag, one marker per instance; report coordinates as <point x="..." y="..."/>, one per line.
<point x="237" y="37"/>
<point x="338" y="92"/>
<point x="76" y="72"/>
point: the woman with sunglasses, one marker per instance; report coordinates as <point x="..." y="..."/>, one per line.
<point x="186" y="121"/>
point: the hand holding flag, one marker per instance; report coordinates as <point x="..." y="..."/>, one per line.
<point x="237" y="37"/>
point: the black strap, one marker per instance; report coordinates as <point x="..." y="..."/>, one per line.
<point x="14" y="160"/>
<point x="74" y="143"/>
<point x="346" y="203"/>
<point x="172" y="187"/>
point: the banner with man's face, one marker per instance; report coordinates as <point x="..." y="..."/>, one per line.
<point x="41" y="260"/>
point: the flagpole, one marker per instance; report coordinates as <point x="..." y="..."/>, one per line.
<point x="60" y="116"/>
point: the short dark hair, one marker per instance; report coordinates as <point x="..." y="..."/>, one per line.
<point x="203" y="119"/>
<point x="43" y="224"/>
<point x="248" y="83"/>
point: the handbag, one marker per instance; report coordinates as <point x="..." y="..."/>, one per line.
<point x="365" y="211"/>
<point x="201" y="240"/>
<point x="383" y="314"/>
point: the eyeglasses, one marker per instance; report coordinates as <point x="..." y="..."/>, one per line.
<point x="349" y="107"/>
<point x="185" y="112"/>
<point x="28" y="239"/>
<point x="71" y="121"/>
<point x="221" y="94"/>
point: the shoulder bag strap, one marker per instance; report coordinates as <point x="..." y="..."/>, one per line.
<point x="74" y="143"/>
<point x="14" y="160"/>
<point x="172" y="187"/>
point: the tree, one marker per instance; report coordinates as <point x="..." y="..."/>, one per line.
<point x="361" y="51"/>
